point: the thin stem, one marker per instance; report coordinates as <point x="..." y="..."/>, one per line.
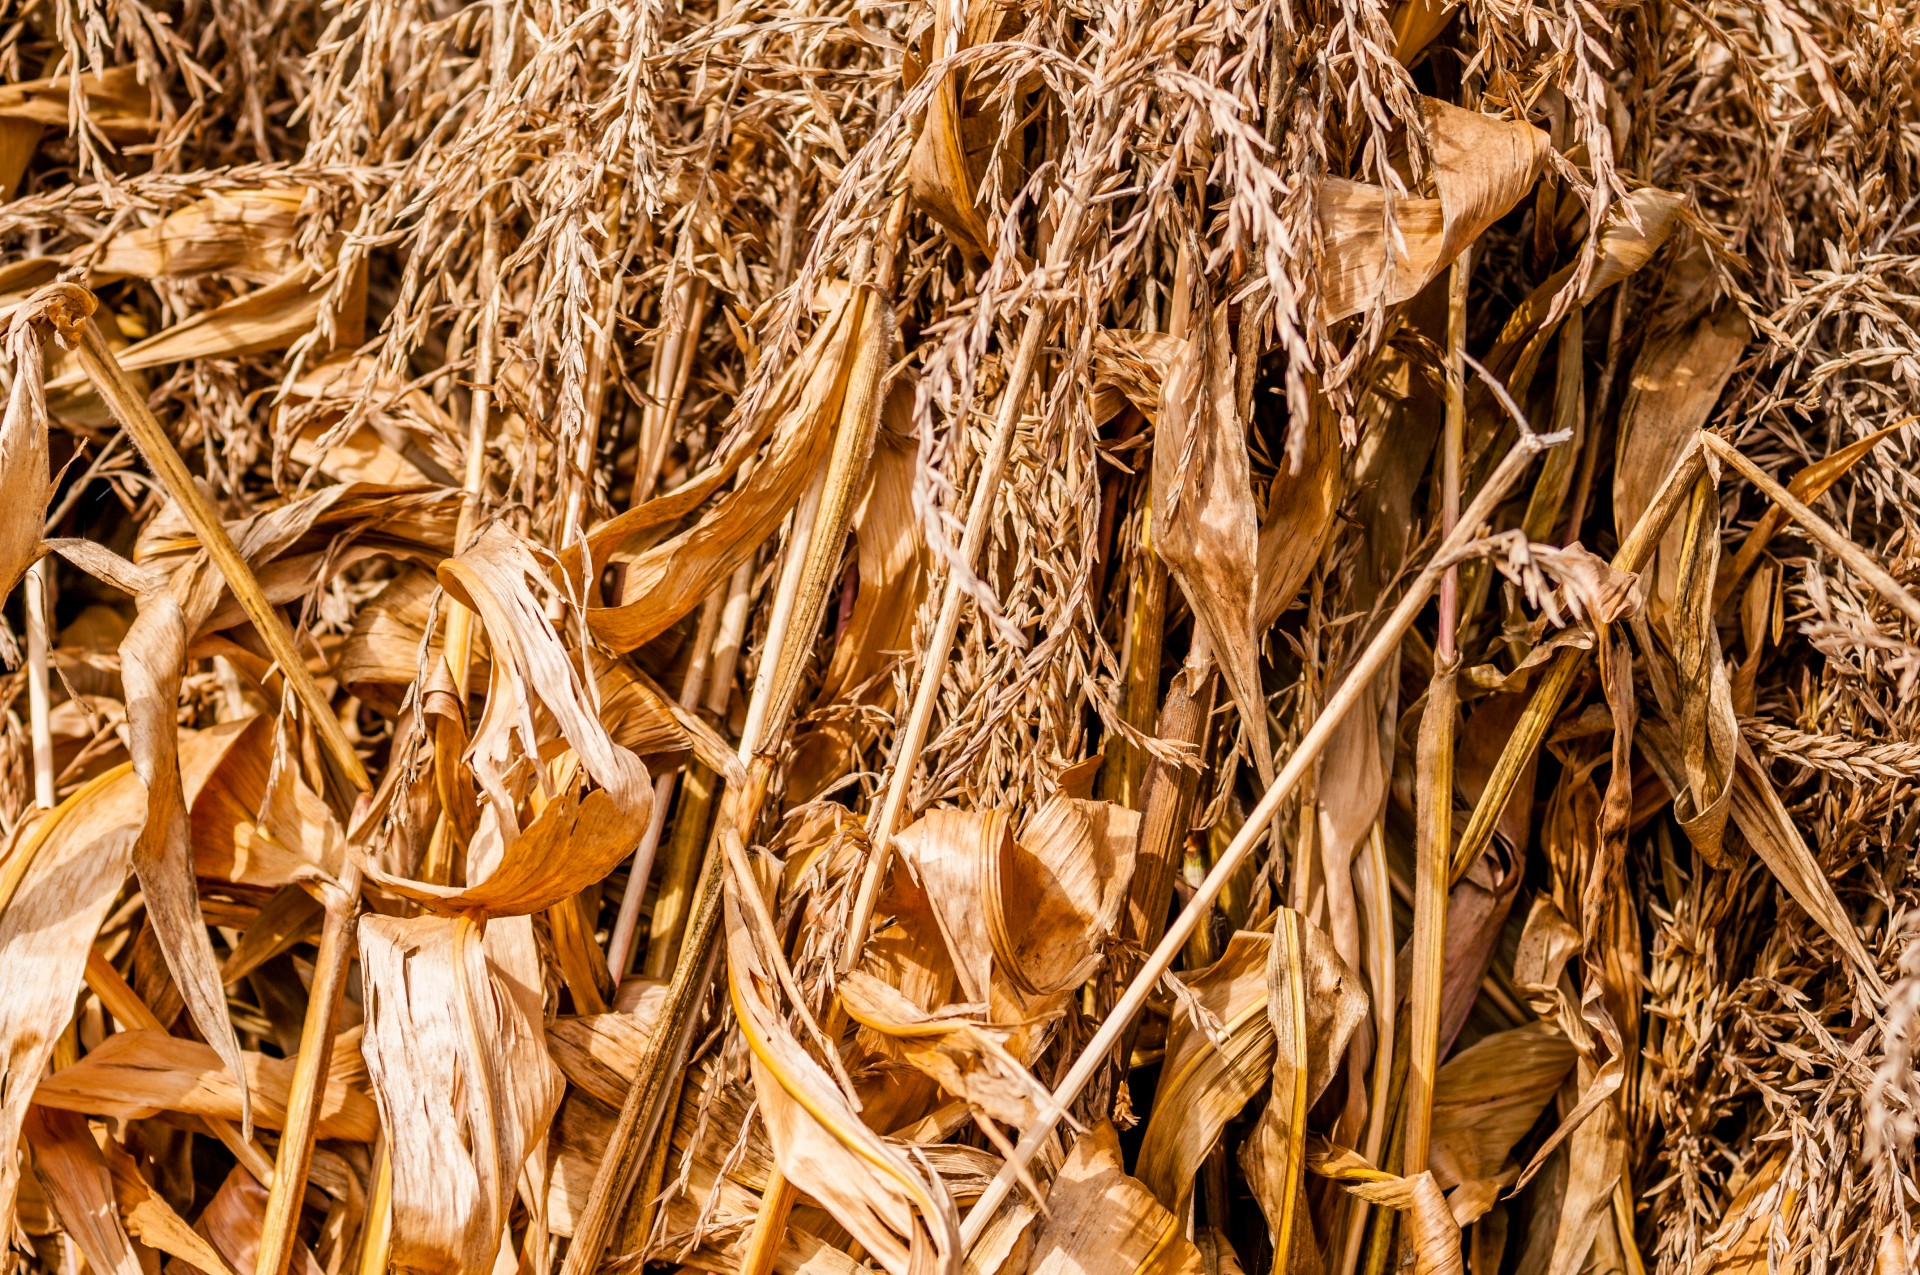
<point x="130" y="408"/>
<point x="1352" y="689"/>
<point x="277" y="1238"/>
<point x="39" y="701"/>
<point x="1818" y="529"/>
<point x="620" y="942"/>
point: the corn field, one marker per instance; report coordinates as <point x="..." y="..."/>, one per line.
<point x="959" y="637"/>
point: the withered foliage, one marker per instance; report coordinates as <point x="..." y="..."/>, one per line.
<point x="1012" y="636"/>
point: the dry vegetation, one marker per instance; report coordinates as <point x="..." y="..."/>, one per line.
<point x="991" y="636"/>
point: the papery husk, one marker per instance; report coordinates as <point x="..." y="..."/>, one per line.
<point x="1098" y="1216"/>
<point x="456" y="1052"/>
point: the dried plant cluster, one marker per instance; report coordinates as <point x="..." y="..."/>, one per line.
<point x="999" y="636"/>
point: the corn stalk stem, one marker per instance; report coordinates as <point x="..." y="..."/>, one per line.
<point x="808" y="571"/>
<point x="852" y="450"/>
<point x="620" y="942"/>
<point x="1352" y="689"/>
<point x="130" y="408"/>
<point x="674" y="902"/>
<point x="295" y="1156"/>
<point x="1434" y="839"/>
<point x="376" y="1233"/>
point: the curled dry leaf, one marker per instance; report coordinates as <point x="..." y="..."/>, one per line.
<point x="900" y="1213"/>
<point x="667" y="581"/>
<point x="1204" y="524"/>
<point x="514" y="869"/>
<point x="1024" y="921"/>
<point x="1433" y="1237"/>
<point x="1383" y="247"/>
<point x="1211" y="1071"/>
<point x="23" y="453"/>
<point x="967" y="1057"/>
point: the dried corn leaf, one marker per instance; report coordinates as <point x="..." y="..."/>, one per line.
<point x="1300" y="513"/>
<point x="63" y="876"/>
<point x="1314" y="1005"/>
<point x="967" y="1057"/>
<point x="135" y="1074"/>
<point x="115" y="101"/>
<point x="901" y="1214"/>
<point x="949" y="154"/>
<point x="152" y="1221"/>
<point x="1675" y="384"/>
<point x="1808" y="485"/>
<point x="1383" y="247"/>
<point x="1098" y="1218"/>
<point x="667" y="581"/>
<point x="81" y="1191"/>
<point x="23" y="454"/>
<point x="1204" y="524"/>
<point x="1432" y="1236"/>
<point x="1220" y="1052"/>
<point x="244" y="233"/>
<point x="151" y="656"/>
<point x="234" y="1220"/>
<point x="1709" y="735"/>
<point x="514" y="869"/>
<point x="456" y="1051"/>
<point x="1488" y="1095"/>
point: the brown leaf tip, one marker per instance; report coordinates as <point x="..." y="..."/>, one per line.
<point x="65" y="306"/>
